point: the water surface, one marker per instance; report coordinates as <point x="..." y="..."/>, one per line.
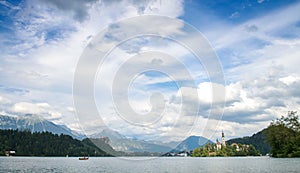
<point x="145" y="164"/>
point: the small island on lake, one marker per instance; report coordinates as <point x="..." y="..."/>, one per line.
<point x="221" y="149"/>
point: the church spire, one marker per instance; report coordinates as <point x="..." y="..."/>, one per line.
<point x="223" y="139"/>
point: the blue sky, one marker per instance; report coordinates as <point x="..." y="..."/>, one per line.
<point x="257" y="43"/>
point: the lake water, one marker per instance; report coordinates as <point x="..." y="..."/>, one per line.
<point x="144" y="164"/>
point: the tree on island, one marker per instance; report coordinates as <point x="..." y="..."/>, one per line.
<point x="283" y="135"/>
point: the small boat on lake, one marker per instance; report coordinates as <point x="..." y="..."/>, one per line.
<point x="83" y="158"/>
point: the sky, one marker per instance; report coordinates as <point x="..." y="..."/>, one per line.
<point x="169" y="93"/>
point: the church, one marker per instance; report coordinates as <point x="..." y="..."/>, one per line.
<point x="219" y="144"/>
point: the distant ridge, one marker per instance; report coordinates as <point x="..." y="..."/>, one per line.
<point x="122" y="143"/>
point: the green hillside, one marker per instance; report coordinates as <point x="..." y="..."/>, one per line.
<point x="258" y="140"/>
<point x="26" y="143"/>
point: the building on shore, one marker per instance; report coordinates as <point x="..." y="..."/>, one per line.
<point x="10" y="153"/>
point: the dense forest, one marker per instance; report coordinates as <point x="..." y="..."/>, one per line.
<point x="25" y="143"/>
<point x="258" y="140"/>
<point x="283" y="135"/>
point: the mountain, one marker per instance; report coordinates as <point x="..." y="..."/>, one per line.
<point x="257" y="140"/>
<point x="34" y="123"/>
<point x="191" y="143"/>
<point x="112" y="135"/>
<point x="122" y="143"/>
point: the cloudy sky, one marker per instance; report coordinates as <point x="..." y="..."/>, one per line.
<point x="256" y="44"/>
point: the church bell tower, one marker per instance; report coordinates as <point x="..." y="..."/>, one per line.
<point x="223" y="139"/>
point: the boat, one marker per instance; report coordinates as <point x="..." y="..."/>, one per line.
<point x="83" y="158"/>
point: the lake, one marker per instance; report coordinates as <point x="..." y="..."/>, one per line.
<point x="146" y="164"/>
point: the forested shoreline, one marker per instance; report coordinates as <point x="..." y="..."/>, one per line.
<point x="26" y="143"/>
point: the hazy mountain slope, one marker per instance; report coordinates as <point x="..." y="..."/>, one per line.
<point x="121" y="143"/>
<point x="34" y="123"/>
<point x="191" y="143"/>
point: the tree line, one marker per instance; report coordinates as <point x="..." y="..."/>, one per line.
<point x="26" y="143"/>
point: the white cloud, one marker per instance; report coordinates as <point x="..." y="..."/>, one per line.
<point x="289" y="80"/>
<point x="263" y="25"/>
<point x="71" y="109"/>
<point x="260" y="1"/>
<point x="41" y="109"/>
<point x="211" y="92"/>
<point x="4" y="101"/>
<point x="165" y="8"/>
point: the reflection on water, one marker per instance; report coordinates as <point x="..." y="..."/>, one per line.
<point x="163" y="164"/>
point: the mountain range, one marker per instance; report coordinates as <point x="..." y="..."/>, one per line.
<point x="122" y="143"/>
<point x="119" y="142"/>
